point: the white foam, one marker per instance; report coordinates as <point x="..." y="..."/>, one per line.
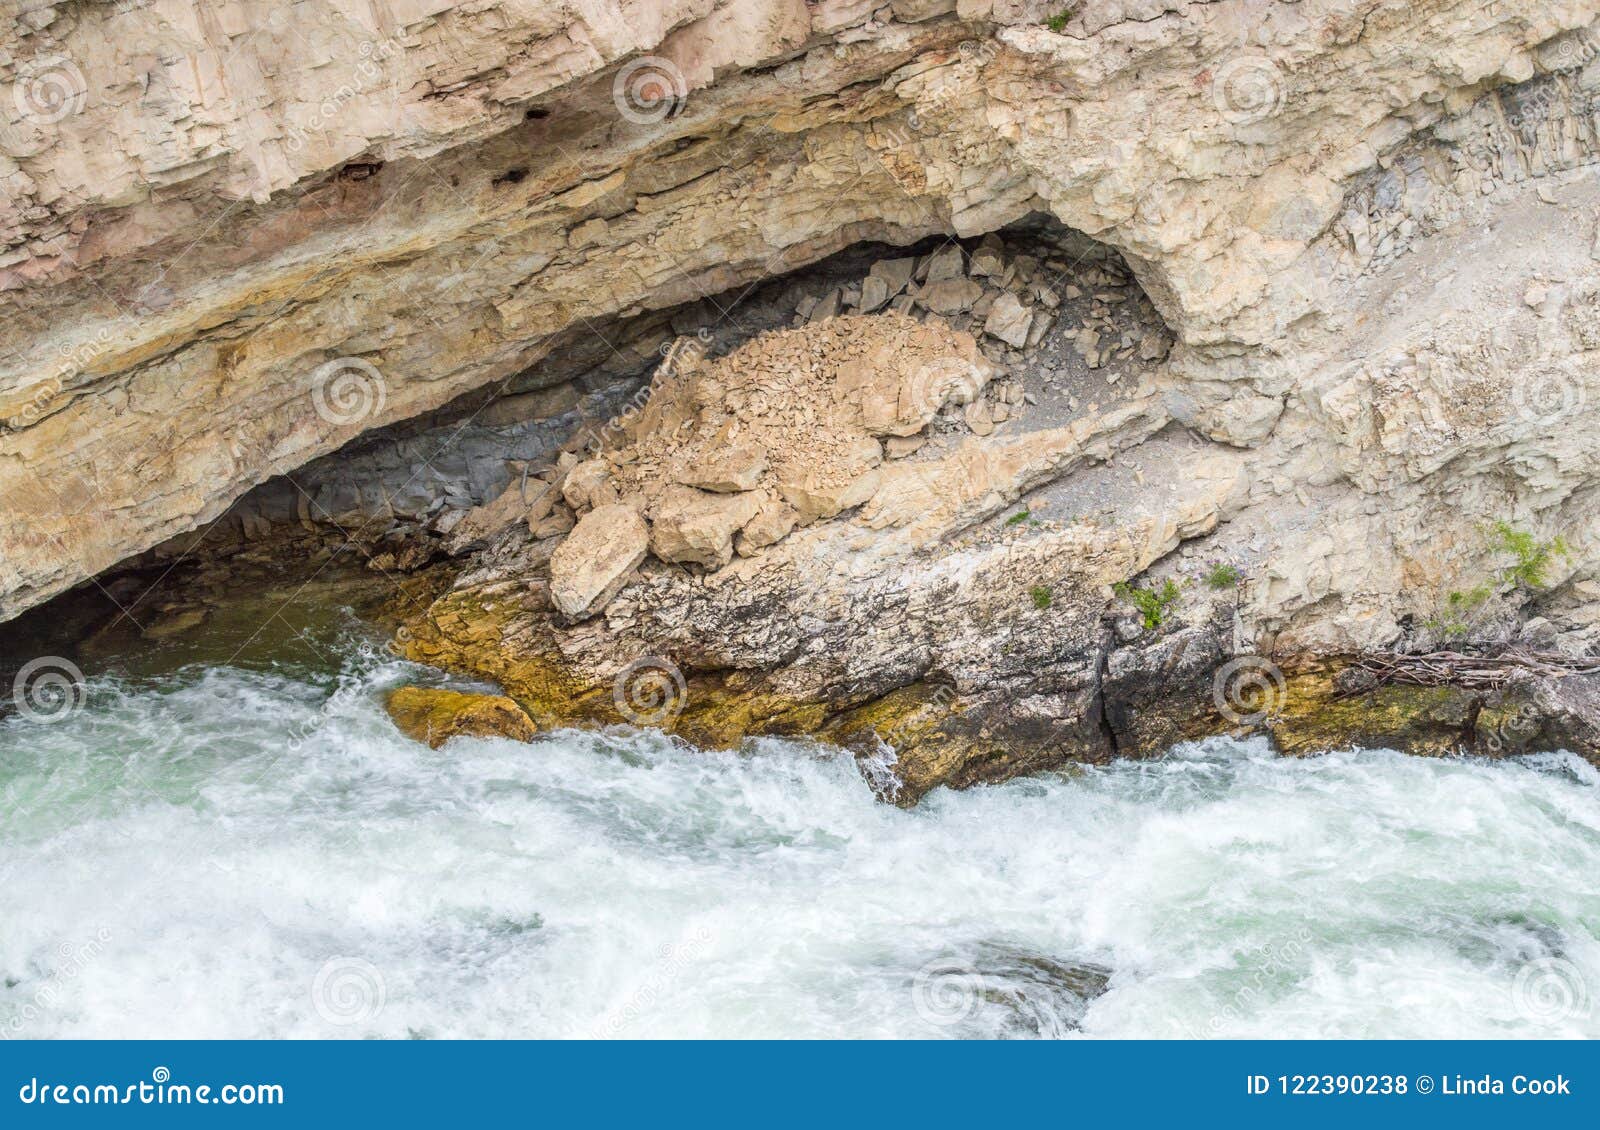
<point x="192" y="857"/>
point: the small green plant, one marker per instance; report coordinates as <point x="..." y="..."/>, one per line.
<point x="1058" y="22"/>
<point x="1018" y="518"/>
<point x="1533" y="556"/>
<point x="1041" y="596"/>
<point x="1153" y="604"/>
<point x="1460" y="610"/>
<point x="1222" y="577"/>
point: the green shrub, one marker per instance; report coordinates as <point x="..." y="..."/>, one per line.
<point x="1018" y="518"/>
<point x="1041" y="596"/>
<point x="1153" y="604"/>
<point x="1223" y="577"/>
<point x="1533" y="556"/>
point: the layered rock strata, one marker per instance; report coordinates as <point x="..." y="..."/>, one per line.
<point x="1351" y="243"/>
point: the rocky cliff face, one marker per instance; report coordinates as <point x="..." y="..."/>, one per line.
<point x="1355" y="241"/>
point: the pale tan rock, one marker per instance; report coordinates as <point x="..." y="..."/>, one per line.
<point x="950" y="296"/>
<point x="874" y="294"/>
<point x="772" y="524"/>
<point x="988" y="261"/>
<point x="947" y="263"/>
<point x="597" y="559"/>
<point x="726" y="470"/>
<point x="1009" y="320"/>
<point x="433" y="224"/>
<point x="588" y="485"/>
<point x="894" y="273"/>
<point x="815" y="495"/>
<point x="689" y="526"/>
<point x="558" y="522"/>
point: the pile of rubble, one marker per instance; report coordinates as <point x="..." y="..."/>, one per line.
<point x="728" y="456"/>
<point x="1008" y="300"/>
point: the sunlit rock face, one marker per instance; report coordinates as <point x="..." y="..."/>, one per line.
<point x="241" y="235"/>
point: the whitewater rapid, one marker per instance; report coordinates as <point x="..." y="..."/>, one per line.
<point x="224" y="852"/>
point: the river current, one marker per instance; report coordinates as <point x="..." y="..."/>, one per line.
<point x="254" y="850"/>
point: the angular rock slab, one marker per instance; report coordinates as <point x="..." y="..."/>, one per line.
<point x="596" y="560"/>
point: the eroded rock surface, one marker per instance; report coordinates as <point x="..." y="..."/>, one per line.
<point x="241" y="238"/>
<point x="434" y="715"/>
<point x="1304" y="290"/>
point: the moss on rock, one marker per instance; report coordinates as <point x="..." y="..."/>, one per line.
<point x="434" y="716"/>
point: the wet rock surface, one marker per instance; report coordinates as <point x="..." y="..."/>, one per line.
<point x="433" y="715"/>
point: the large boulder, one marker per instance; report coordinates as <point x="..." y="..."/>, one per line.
<point x="596" y="560"/>
<point x="434" y="715"/>
<point x="689" y="526"/>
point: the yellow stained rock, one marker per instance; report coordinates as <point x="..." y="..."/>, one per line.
<point x="434" y="716"/>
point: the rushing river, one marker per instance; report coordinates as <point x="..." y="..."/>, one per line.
<point x="254" y="850"/>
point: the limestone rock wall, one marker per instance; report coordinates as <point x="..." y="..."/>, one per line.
<point x="240" y="234"/>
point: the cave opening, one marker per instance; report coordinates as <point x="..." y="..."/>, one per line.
<point x="1060" y="311"/>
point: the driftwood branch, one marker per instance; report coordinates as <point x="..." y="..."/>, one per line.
<point x="1470" y="672"/>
